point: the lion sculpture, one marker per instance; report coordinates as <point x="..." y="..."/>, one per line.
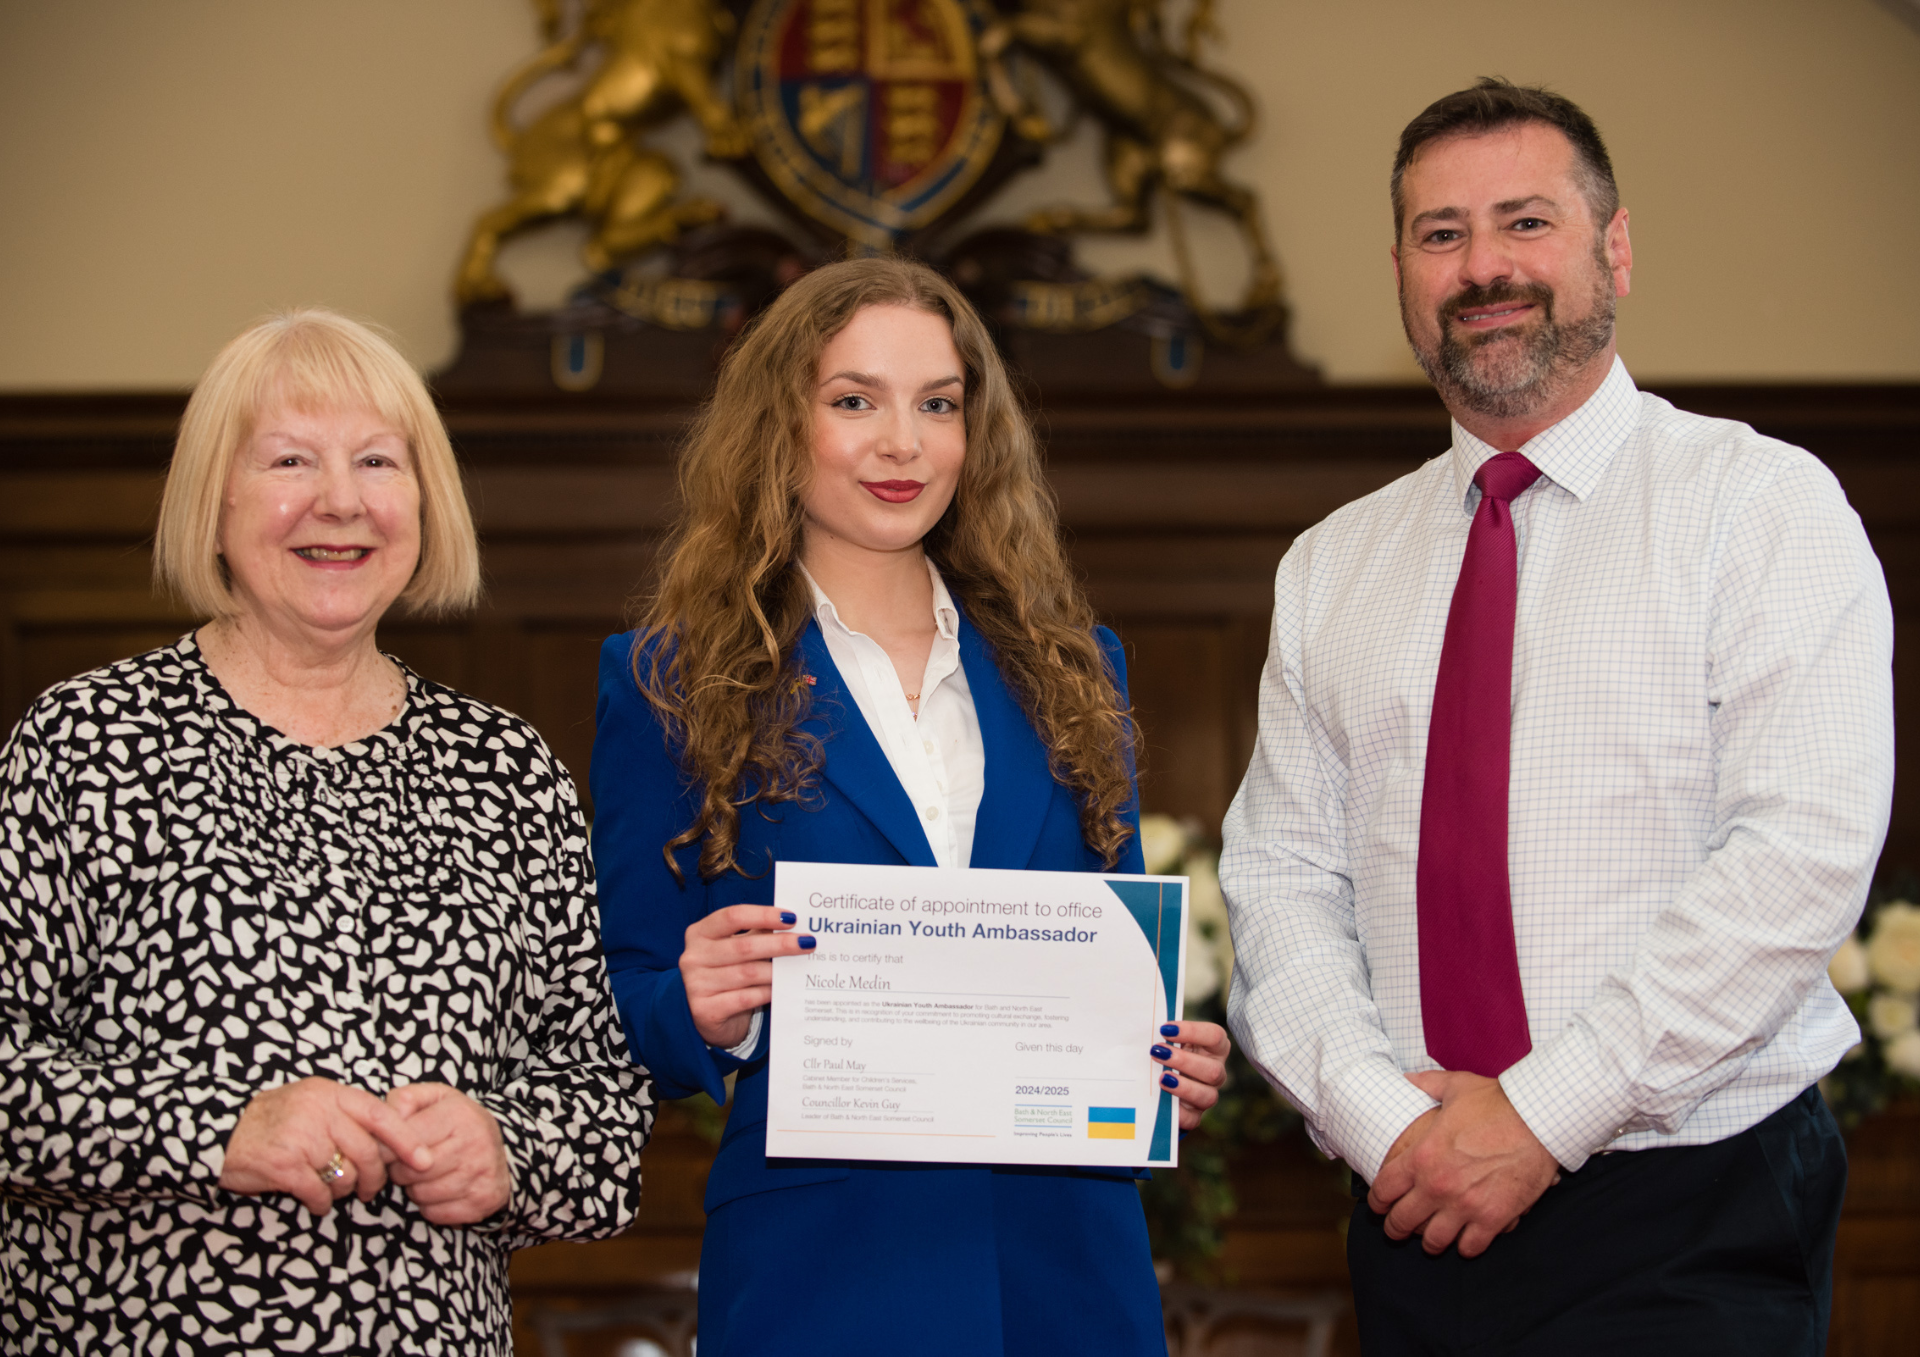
<point x="581" y="156"/>
<point x="1159" y="130"/>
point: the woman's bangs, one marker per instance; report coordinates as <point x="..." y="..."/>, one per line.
<point x="316" y="372"/>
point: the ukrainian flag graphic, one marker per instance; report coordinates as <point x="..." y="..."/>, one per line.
<point x="1110" y="1123"/>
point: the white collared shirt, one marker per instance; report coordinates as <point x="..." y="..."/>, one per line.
<point x="1702" y="758"/>
<point x="940" y="758"/>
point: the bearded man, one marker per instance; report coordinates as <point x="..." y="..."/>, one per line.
<point x="1575" y="759"/>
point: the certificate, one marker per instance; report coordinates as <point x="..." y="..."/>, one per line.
<point x="975" y="1016"/>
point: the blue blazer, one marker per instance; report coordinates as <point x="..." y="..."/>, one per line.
<point x="861" y="814"/>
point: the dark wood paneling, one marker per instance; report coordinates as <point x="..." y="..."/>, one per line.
<point x="48" y="654"/>
<point x="1876" y="1300"/>
<point x="563" y="666"/>
<point x="1177" y="679"/>
<point x="436" y="651"/>
<point x="1194" y="682"/>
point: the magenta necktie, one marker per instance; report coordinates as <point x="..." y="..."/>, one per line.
<point x="1470" y="999"/>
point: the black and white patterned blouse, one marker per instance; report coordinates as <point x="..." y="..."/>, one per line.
<point x="195" y="908"/>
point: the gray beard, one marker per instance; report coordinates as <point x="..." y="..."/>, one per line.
<point x="1513" y="374"/>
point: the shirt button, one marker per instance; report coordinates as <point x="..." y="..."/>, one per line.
<point x="932" y="813"/>
<point x="927" y="745"/>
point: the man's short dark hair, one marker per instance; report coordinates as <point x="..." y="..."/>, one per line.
<point x="1494" y="103"/>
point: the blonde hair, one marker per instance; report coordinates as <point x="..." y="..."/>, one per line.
<point x="722" y="626"/>
<point x="311" y="360"/>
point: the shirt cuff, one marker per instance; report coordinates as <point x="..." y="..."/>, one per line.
<point x="745" y="1048"/>
<point x="1570" y="1096"/>
<point x="1366" y="1110"/>
<point x="515" y="1138"/>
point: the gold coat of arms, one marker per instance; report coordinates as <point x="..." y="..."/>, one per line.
<point x="875" y="125"/>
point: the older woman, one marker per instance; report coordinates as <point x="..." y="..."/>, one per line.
<point x="303" y="1018"/>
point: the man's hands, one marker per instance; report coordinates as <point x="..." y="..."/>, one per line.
<point x="434" y="1141"/>
<point x="1465" y="1171"/>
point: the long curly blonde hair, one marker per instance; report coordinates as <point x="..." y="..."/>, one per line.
<point x="719" y="659"/>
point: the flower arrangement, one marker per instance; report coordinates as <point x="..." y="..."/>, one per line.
<point x="1878" y="970"/>
<point x="1187" y="1207"/>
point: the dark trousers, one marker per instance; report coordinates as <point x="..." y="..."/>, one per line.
<point x="1697" y="1251"/>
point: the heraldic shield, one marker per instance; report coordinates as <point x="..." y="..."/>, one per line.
<point x="872" y="116"/>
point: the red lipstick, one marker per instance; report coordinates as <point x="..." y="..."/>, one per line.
<point x="895" y="492"/>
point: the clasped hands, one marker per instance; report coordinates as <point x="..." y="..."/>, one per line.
<point x="1464" y="1172"/>
<point x="727" y="969"/>
<point x="431" y="1139"/>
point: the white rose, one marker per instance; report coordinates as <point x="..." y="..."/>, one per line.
<point x="1894" y="949"/>
<point x="1209" y="906"/>
<point x="1903" y="1054"/>
<point x="1203" y="967"/>
<point x="1162" y="842"/>
<point x="1891" y="1014"/>
<point x="1848" y="969"/>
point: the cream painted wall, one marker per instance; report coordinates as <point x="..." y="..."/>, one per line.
<point x="172" y="170"/>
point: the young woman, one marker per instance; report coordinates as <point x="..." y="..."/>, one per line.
<point x="866" y="646"/>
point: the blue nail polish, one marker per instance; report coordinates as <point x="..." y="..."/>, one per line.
<point x="1170" y="1080"/>
<point x="808" y="944"/>
<point x="1171" y="1029"/>
<point x="1159" y="1053"/>
<point x="787" y="916"/>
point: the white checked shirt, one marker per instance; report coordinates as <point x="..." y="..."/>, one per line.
<point x="940" y="759"/>
<point x="1702" y="762"/>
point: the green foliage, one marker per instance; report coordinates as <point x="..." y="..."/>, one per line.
<point x="1862" y="1083"/>
<point x="1187" y="1208"/>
